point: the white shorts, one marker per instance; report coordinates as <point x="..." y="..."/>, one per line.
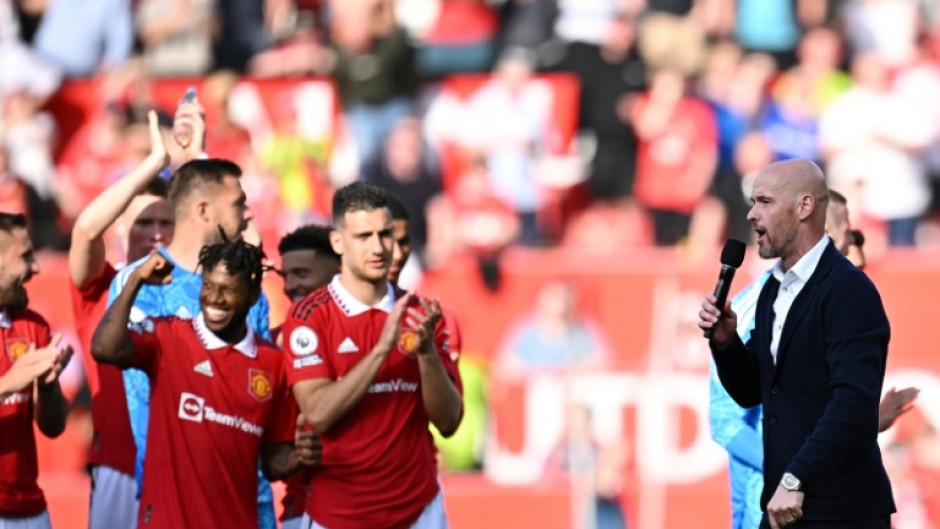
<point x="40" y="521"/>
<point x="432" y="517"/>
<point x="113" y="499"/>
<point x="293" y="523"/>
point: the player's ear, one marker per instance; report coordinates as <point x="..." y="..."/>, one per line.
<point x="336" y="241"/>
<point x="806" y="207"/>
<point x="202" y="209"/>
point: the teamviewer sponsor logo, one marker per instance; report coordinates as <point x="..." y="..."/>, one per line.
<point x="191" y="407"/>
<point x="394" y="386"/>
<point x="17" y="398"/>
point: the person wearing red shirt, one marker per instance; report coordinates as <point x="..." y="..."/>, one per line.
<point x="677" y="154"/>
<point x="401" y="252"/>
<point x="29" y="382"/>
<point x="140" y="197"/>
<point x="308" y="262"/>
<point x="218" y="395"/>
<point x="370" y="368"/>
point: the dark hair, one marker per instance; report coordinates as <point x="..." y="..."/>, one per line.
<point x="858" y="239"/>
<point x="157" y="187"/>
<point x="310" y="237"/>
<point x="240" y="258"/>
<point x="838" y="197"/>
<point x="398" y="209"/>
<point x="10" y="221"/>
<point x="355" y="197"/>
<point x="194" y="175"/>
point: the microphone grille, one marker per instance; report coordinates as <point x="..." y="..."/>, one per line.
<point x="733" y="253"/>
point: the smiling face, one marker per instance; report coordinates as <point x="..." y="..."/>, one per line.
<point x="773" y="216"/>
<point x="225" y="300"/>
<point x="364" y="240"/>
<point x="17" y="267"/>
<point x="305" y="271"/>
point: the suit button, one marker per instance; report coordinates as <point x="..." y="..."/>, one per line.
<point x="772" y="421"/>
<point x="774" y="390"/>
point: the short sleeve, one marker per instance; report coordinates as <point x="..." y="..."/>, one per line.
<point x="42" y="333"/>
<point x="304" y="350"/>
<point x="143" y="336"/>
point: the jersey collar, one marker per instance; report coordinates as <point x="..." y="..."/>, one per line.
<point x="246" y="346"/>
<point x="352" y="306"/>
<point x="5" y="321"/>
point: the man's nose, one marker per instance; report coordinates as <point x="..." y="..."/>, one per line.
<point x="378" y="245"/>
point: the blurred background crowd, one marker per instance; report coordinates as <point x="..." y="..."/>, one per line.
<point x="675" y="105"/>
<point x="596" y="125"/>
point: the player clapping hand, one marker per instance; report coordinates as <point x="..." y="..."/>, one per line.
<point x="30" y="367"/>
<point x="60" y="359"/>
<point x="391" y="330"/>
<point x="424" y="323"/>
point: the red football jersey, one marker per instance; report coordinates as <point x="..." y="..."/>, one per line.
<point x="212" y="405"/>
<point x="20" y="495"/>
<point x="295" y="487"/>
<point x="454" y="338"/>
<point x="379" y="466"/>
<point x="112" y="444"/>
<point x="295" y="495"/>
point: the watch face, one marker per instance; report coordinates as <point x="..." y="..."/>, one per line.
<point x="790" y="482"/>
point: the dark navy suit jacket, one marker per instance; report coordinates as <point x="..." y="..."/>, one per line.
<point x="821" y="398"/>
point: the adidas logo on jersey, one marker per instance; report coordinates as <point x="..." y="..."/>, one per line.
<point x="204" y="368"/>
<point x="348" y="346"/>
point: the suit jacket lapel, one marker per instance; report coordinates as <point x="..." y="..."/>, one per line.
<point x="802" y="302"/>
<point x="804" y="299"/>
<point x="765" y="323"/>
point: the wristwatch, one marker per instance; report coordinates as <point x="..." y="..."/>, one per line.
<point x="790" y="482"/>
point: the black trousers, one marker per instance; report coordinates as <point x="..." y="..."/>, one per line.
<point x="882" y="522"/>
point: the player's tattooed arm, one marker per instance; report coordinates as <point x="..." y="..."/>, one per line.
<point x="111" y="343"/>
<point x="279" y="461"/>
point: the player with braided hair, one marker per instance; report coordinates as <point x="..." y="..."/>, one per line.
<point x="219" y="394"/>
<point x="239" y="258"/>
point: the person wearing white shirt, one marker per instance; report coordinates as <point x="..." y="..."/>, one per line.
<point x="815" y="361"/>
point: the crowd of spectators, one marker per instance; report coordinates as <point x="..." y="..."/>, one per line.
<point x="678" y="103"/>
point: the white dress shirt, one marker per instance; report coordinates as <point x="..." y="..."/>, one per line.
<point x="791" y="283"/>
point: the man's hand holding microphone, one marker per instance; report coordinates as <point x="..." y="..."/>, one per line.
<point x="720" y="324"/>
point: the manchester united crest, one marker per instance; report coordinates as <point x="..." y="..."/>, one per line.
<point x="408" y="342"/>
<point x="259" y="385"/>
<point x="16" y="348"/>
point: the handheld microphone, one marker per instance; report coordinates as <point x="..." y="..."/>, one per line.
<point x="732" y="255"/>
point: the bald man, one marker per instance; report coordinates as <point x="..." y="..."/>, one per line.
<point x="815" y="361"/>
